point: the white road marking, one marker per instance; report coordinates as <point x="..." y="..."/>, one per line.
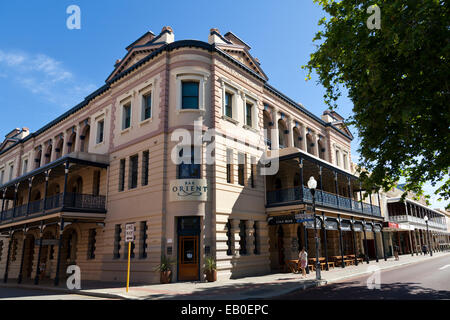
<point x="444" y="267"/>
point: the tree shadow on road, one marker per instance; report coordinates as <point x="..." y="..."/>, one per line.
<point x="356" y="291"/>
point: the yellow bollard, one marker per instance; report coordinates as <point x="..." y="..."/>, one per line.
<point x="128" y="273"/>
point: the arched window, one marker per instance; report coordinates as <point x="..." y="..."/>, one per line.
<point x="297" y="137"/>
<point x="322" y="150"/>
<point x="309" y="144"/>
<point x="282" y="141"/>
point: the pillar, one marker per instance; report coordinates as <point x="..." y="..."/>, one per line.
<point x="58" y="258"/>
<point x="341" y="247"/>
<point x="325" y="240"/>
<point x="19" y="278"/>
<point x="5" y="278"/>
<point x="38" y="267"/>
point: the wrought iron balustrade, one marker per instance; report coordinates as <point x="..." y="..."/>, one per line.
<point x="323" y="198"/>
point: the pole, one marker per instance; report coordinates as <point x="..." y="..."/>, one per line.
<point x="318" y="277"/>
<point x="128" y="273"/>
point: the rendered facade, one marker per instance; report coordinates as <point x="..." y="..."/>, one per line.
<point x="120" y="157"/>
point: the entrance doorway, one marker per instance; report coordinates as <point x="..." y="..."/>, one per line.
<point x="188" y="248"/>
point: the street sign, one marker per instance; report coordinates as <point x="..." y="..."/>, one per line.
<point x="129" y="232"/>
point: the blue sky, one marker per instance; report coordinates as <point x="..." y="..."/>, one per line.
<point x="45" y="68"/>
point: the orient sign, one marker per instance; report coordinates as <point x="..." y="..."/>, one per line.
<point x="188" y="190"/>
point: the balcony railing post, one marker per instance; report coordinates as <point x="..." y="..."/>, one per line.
<point x="321" y="183"/>
<point x="30" y="184"/>
<point x="370" y="201"/>
<point x="66" y="174"/>
<point x="379" y="203"/>
<point x="3" y="205"/>
<point x="350" y="194"/>
<point x="301" y="179"/>
<point x="14" y="201"/>
<point x="336" y="188"/>
<point x="45" y="190"/>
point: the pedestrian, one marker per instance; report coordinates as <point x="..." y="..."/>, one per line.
<point x="396" y="249"/>
<point x="424" y="249"/>
<point x="303" y="261"/>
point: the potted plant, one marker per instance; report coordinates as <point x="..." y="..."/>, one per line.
<point x="210" y="269"/>
<point x="165" y="269"/>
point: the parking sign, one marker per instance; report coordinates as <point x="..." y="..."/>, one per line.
<point x="129" y="232"/>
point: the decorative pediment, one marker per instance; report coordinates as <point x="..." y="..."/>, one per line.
<point x="241" y="54"/>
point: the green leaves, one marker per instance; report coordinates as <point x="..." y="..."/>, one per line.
<point x="397" y="78"/>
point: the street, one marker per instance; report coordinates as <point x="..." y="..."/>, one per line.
<point x="428" y="280"/>
<point x="29" y="294"/>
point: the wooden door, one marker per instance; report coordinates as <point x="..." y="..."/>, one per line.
<point x="188" y="257"/>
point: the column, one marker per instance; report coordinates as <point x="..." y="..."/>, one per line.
<point x="354" y="243"/>
<point x="5" y="278"/>
<point x="47" y="173"/>
<point x="3" y="204"/>
<point x="375" y="240"/>
<point x="382" y="243"/>
<point x="30" y="185"/>
<point x="341" y="247"/>
<point x="78" y="138"/>
<point x="303" y="134"/>
<point x="58" y="259"/>
<point x="64" y="145"/>
<point x="66" y="174"/>
<point x="19" y="278"/>
<point x="38" y="267"/>
<point x="290" y="140"/>
<point x="305" y="234"/>
<point x="325" y="240"/>
<point x="301" y="178"/>
<point x="16" y="186"/>
<point x="274" y="132"/>
<point x="366" y="254"/>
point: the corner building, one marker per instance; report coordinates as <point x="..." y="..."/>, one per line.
<point x="68" y="190"/>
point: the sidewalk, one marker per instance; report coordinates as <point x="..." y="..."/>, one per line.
<point x="237" y="289"/>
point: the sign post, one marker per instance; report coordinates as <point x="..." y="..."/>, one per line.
<point x="129" y="237"/>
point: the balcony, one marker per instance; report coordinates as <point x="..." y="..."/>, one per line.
<point x="418" y="221"/>
<point x="323" y="199"/>
<point x="336" y="188"/>
<point x="72" y="202"/>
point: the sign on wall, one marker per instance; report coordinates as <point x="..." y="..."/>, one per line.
<point x="188" y="190"/>
<point x="129" y="232"/>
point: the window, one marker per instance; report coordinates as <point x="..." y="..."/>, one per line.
<point x="96" y="183"/>
<point x="25" y="166"/>
<point x="249" y="114"/>
<point x="243" y="236"/>
<point x="117" y="239"/>
<point x="256" y="235"/>
<point x="122" y="175"/>
<point x="91" y="244"/>
<point x="2" y="176"/>
<point x="241" y="169"/>
<point x="145" y="163"/>
<point x="13" y="250"/>
<point x="229" y="166"/>
<point x="229" y="104"/>
<point x="100" y="131"/>
<point x="11" y="172"/>
<point x="189" y="93"/>
<point x="252" y="172"/>
<point x="126" y="116"/>
<point x="1" y="249"/>
<point x="132" y="247"/>
<point x="146" y="107"/>
<point x="345" y="161"/>
<point x="337" y="158"/>
<point x="229" y="250"/>
<point x="188" y="170"/>
<point x="133" y="173"/>
<point x="143" y="247"/>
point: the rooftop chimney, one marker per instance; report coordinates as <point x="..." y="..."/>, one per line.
<point x="166" y="35"/>
<point x="215" y="37"/>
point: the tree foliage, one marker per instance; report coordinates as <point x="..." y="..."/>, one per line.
<point x="398" y="80"/>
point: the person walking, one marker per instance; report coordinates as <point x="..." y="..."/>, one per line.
<point x="303" y="261"/>
<point x="396" y="249"/>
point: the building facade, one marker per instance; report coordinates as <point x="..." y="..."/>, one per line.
<point x="176" y="142"/>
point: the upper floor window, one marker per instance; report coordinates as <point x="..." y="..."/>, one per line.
<point x="229" y="104"/>
<point x="337" y="158"/>
<point x="189" y="94"/>
<point x="11" y="172"/>
<point x="241" y="169"/>
<point x="122" y="175"/>
<point x="100" y="131"/>
<point x="345" y="161"/>
<point x="146" y="106"/>
<point x="25" y="166"/>
<point x="2" y="176"/>
<point x="133" y="170"/>
<point x="126" y="116"/>
<point x="249" y="114"/>
<point x="188" y="169"/>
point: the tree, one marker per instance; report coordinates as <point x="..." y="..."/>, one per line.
<point x="398" y="80"/>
